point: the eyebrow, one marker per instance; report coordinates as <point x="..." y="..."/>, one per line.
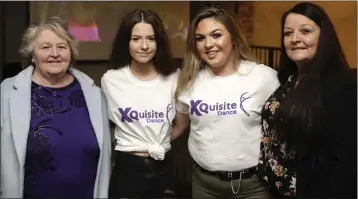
<point x="49" y="43"/>
<point x="141" y="36"/>
<point x="300" y="26"/>
<point x="218" y="29"/>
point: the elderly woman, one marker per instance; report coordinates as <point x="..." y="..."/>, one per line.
<point x="55" y="139"/>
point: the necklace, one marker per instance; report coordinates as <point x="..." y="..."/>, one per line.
<point x="43" y="82"/>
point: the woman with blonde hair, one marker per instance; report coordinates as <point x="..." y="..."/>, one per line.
<point x="220" y="93"/>
<point x="55" y="139"/>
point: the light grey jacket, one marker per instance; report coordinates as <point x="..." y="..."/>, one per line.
<point x="15" y="125"/>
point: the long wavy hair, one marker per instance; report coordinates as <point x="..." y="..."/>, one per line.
<point x="192" y="62"/>
<point x="301" y="112"/>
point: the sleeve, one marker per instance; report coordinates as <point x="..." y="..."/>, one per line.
<point x="107" y="97"/>
<point x="105" y="170"/>
<point x="182" y="103"/>
<point x="271" y="83"/>
<point x="268" y="83"/>
<point x="341" y="127"/>
<point x="2" y="106"/>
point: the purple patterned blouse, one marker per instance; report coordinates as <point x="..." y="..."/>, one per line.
<point x="62" y="149"/>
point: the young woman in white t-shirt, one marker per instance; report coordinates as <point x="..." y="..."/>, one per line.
<point x="139" y="91"/>
<point x="220" y="93"/>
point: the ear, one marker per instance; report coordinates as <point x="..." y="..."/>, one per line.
<point x="33" y="60"/>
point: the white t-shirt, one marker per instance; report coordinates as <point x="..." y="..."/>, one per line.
<point x="225" y="114"/>
<point x="143" y="111"/>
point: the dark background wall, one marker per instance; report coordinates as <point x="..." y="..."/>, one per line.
<point x="14" y="19"/>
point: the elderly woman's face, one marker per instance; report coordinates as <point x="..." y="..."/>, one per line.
<point x="52" y="54"/>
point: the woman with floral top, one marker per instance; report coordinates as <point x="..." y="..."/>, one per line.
<point x="309" y="122"/>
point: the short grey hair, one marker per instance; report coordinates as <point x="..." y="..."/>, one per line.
<point x="54" y="24"/>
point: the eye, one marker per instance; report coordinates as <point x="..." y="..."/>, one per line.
<point x="45" y="47"/>
<point x="135" y="38"/>
<point x="151" y="38"/>
<point x="199" y="38"/>
<point x="306" y="30"/>
<point x="63" y="47"/>
<point x="287" y="33"/>
<point x="216" y="35"/>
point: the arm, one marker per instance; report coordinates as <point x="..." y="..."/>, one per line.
<point x="181" y="123"/>
<point x="107" y="98"/>
<point x="105" y="170"/>
<point x="341" y="128"/>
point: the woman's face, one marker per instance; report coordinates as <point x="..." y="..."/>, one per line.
<point x="52" y="54"/>
<point x="213" y="43"/>
<point x="301" y="36"/>
<point x="142" y="45"/>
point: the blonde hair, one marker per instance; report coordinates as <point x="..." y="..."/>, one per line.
<point x="192" y="62"/>
<point x="29" y="39"/>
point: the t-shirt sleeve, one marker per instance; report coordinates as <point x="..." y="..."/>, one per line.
<point x="181" y="105"/>
<point x="104" y="88"/>
<point x="271" y="82"/>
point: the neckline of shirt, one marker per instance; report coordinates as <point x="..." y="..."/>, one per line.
<point x="244" y="68"/>
<point x="139" y="82"/>
<point x="68" y="86"/>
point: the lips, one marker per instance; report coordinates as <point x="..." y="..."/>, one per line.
<point x="54" y="61"/>
<point x="211" y="54"/>
<point x="144" y="54"/>
<point x="298" y="48"/>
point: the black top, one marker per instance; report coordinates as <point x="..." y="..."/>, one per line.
<point x="327" y="169"/>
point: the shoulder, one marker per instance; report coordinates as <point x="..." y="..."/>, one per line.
<point x="340" y="92"/>
<point x="81" y="76"/>
<point x="260" y="70"/>
<point x="339" y="85"/>
<point x="113" y="73"/>
<point x="173" y="76"/>
<point x="7" y="83"/>
<point x="20" y="79"/>
<point x="6" y="87"/>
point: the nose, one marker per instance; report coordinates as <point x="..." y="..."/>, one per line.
<point x="208" y="43"/>
<point x="144" y="45"/>
<point x="54" y="52"/>
<point x="295" y="38"/>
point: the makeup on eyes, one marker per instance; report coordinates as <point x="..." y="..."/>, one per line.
<point x="215" y="34"/>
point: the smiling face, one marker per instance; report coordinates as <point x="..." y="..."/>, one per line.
<point x="52" y="54"/>
<point x="301" y="37"/>
<point x="142" y="45"/>
<point x="213" y="43"/>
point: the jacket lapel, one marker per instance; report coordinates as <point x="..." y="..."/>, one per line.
<point x="20" y="112"/>
<point x="20" y="108"/>
<point x="92" y="96"/>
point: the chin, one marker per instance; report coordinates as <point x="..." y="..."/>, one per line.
<point x="143" y="61"/>
<point x="298" y="58"/>
<point x="214" y="64"/>
<point x="57" y="71"/>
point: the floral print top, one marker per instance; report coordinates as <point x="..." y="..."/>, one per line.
<point x="275" y="160"/>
